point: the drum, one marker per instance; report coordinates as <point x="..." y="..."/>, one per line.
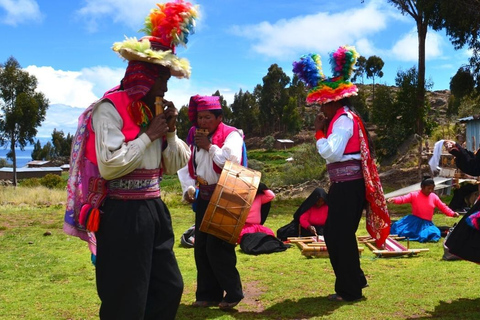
<point x="231" y="201"/>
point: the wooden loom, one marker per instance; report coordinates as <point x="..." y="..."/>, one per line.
<point x="392" y="247"/>
<point x="313" y="246"/>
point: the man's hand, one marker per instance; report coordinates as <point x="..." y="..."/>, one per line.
<point x="171" y="114"/>
<point x="202" y="141"/>
<point x="158" y="127"/>
<point x="321" y="123"/>
<point x="449" y="145"/>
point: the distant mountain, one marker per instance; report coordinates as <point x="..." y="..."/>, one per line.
<point x="60" y="117"/>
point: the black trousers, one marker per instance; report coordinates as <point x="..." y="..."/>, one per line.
<point x="346" y="201"/>
<point x="136" y="270"/>
<point x="216" y="264"/>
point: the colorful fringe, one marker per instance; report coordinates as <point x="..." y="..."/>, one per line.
<point x="140" y="113"/>
<point x="324" y="90"/>
<point x="172" y="22"/>
<point x="473" y="220"/>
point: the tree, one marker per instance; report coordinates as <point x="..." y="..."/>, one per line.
<point x="373" y="68"/>
<point x="360" y="69"/>
<point x="23" y="109"/>
<point x="462" y="84"/>
<point x="246" y="111"/>
<point x="461" y="21"/>
<point x="61" y="144"/>
<point x="273" y="98"/>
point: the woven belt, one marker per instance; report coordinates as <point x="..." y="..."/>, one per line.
<point x="345" y="171"/>
<point x="138" y="185"/>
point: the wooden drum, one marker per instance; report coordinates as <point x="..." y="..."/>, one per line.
<point x="231" y="201"/>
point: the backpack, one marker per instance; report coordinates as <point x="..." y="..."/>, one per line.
<point x="187" y="239"/>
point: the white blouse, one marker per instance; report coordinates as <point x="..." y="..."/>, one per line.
<point x="231" y="150"/>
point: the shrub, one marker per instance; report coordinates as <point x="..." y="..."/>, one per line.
<point x="30" y="183"/>
<point x="269" y="142"/>
<point x="307" y="165"/>
<point x="52" y="181"/>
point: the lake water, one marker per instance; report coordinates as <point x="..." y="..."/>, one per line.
<point x="23" y="157"/>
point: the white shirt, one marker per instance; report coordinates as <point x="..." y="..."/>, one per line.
<point x="117" y="158"/>
<point x="231" y="150"/>
<point x="333" y="147"/>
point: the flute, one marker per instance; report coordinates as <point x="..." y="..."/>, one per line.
<point x="158" y="105"/>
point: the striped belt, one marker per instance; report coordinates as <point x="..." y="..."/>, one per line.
<point x="345" y="171"/>
<point x="138" y="185"/>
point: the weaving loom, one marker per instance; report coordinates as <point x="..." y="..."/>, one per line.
<point x="392" y="247"/>
<point x="313" y="246"/>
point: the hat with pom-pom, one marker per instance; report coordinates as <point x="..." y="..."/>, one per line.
<point x="321" y="89"/>
<point x="166" y="27"/>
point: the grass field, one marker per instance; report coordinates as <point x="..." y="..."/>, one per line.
<point x="45" y="274"/>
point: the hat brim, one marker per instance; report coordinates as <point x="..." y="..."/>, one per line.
<point x="179" y="68"/>
<point x="325" y="94"/>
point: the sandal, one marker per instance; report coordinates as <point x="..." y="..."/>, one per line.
<point x="335" y="297"/>
<point x="204" y="304"/>
<point x="224" y="305"/>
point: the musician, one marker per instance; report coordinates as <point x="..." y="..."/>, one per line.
<point x="137" y="274"/>
<point x="212" y="144"/>
<point x="340" y="133"/>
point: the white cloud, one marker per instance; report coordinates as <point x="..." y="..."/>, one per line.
<point x="406" y="49"/>
<point x="63" y="87"/>
<point x="128" y="12"/>
<point x="318" y="32"/>
<point x="20" y="11"/>
<point x="69" y="92"/>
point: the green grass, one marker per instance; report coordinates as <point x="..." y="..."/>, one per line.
<point x="51" y="277"/>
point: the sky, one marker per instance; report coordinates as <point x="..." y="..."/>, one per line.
<point x="67" y="45"/>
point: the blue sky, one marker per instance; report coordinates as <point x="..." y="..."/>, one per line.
<point x="67" y="45"/>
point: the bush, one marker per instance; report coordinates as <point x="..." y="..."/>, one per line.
<point x="30" y="183"/>
<point x="307" y="165"/>
<point x="52" y="181"/>
<point x="269" y="142"/>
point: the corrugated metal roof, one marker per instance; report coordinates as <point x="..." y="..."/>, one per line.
<point x="25" y="169"/>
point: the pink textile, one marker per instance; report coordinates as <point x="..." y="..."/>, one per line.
<point x="423" y="206"/>
<point x="315" y="216"/>
<point x="254" y="215"/>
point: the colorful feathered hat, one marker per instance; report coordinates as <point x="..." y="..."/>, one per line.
<point x="321" y="89"/>
<point x="166" y="27"/>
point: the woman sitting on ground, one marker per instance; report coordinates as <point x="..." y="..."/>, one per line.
<point x="419" y="226"/>
<point x="313" y="219"/>
<point x="258" y="212"/>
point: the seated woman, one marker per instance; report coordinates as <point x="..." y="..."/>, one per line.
<point x="419" y="226"/>
<point x="258" y="212"/>
<point x="313" y="219"/>
<point x="316" y="215"/>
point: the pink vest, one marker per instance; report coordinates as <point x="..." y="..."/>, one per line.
<point x="218" y="139"/>
<point x="130" y="129"/>
<point x="353" y="145"/>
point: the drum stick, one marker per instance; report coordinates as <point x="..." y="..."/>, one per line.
<point x="158" y="106"/>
